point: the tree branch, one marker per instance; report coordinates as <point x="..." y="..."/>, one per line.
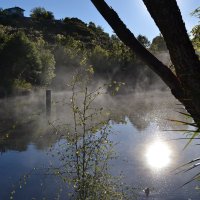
<point x="129" y="39"/>
<point x="167" y="17"/>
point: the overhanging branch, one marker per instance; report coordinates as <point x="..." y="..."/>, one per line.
<point x="128" y="38"/>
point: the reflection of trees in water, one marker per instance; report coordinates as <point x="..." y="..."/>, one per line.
<point x="19" y="136"/>
<point x="145" y="108"/>
<point x="83" y="153"/>
<point x="23" y="121"/>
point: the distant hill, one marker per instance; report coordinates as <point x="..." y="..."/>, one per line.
<point x="38" y="51"/>
<point x="89" y="34"/>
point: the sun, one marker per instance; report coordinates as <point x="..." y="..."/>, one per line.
<point x="158" y="155"/>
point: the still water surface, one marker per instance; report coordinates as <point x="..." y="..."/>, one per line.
<point x="146" y="153"/>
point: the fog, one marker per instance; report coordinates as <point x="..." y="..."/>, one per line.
<point x="136" y="116"/>
<point x="24" y="120"/>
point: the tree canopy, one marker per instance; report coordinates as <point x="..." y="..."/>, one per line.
<point x="158" y="44"/>
<point x="196" y="32"/>
<point x="24" y="60"/>
<point x="40" y="13"/>
<point x="143" y="40"/>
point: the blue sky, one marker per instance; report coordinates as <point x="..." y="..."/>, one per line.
<point x="132" y="12"/>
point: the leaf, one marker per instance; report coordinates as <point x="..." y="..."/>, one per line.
<point x="190" y="140"/>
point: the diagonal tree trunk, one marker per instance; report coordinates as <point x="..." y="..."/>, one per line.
<point x="186" y="86"/>
<point x="167" y="17"/>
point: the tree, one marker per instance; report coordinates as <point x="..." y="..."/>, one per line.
<point x="92" y="25"/>
<point x="47" y="62"/>
<point x="20" y="60"/>
<point x="74" y="20"/>
<point x="100" y="60"/>
<point x="25" y="61"/>
<point x="196" y="32"/>
<point x="196" y="12"/>
<point x="2" y="12"/>
<point x="40" y="13"/>
<point x="143" y="40"/>
<point x="158" y="44"/>
<point x="78" y="21"/>
<point x="196" y="37"/>
<point x="68" y="52"/>
<point x="166" y="14"/>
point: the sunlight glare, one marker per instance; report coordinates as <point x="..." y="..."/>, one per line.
<point x="158" y="155"/>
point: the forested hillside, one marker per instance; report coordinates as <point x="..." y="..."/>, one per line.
<point x="39" y="51"/>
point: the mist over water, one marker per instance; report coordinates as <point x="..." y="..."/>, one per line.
<point x="137" y="121"/>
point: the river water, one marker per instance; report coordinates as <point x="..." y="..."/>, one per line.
<point x="147" y="153"/>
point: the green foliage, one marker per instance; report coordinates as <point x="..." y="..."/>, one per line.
<point x="196" y="12"/>
<point x="196" y="31"/>
<point x="101" y="38"/>
<point x="92" y="25"/>
<point x="196" y="37"/>
<point x="111" y="59"/>
<point x="158" y="44"/>
<point x="3" y="37"/>
<point x="20" y="59"/>
<point x="47" y="61"/>
<point x="99" y="58"/>
<point x="68" y="52"/>
<point x="22" y="84"/>
<point x="60" y="46"/>
<point x="24" y="60"/>
<point x="40" y="13"/>
<point x="74" y="20"/>
<point x="72" y="47"/>
<point x="191" y="134"/>
<point x="120" y="53"/>
<point x="48" y="66"/>
<point x="144" y="41"/>
<point x="78" y="29"/>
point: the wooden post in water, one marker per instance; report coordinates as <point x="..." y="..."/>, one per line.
<point x="48" y="103"/>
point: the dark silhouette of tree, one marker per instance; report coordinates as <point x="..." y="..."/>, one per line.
<point x="1" y="11"/>
<point x="185" y="85"/>
<point x="143" y="40"/>
<point x="40" y="13"/>
<point x="158" y="44"/>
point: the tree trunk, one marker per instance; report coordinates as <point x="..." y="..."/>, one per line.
<point x="186" y="86"/>
<point x="167" y="17"/>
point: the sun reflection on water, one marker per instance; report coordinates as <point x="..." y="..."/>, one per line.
<point x="158" y="155"/>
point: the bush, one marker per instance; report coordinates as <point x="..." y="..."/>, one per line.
<point x="40" y="13"/>
<point x="25" y="60"/>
